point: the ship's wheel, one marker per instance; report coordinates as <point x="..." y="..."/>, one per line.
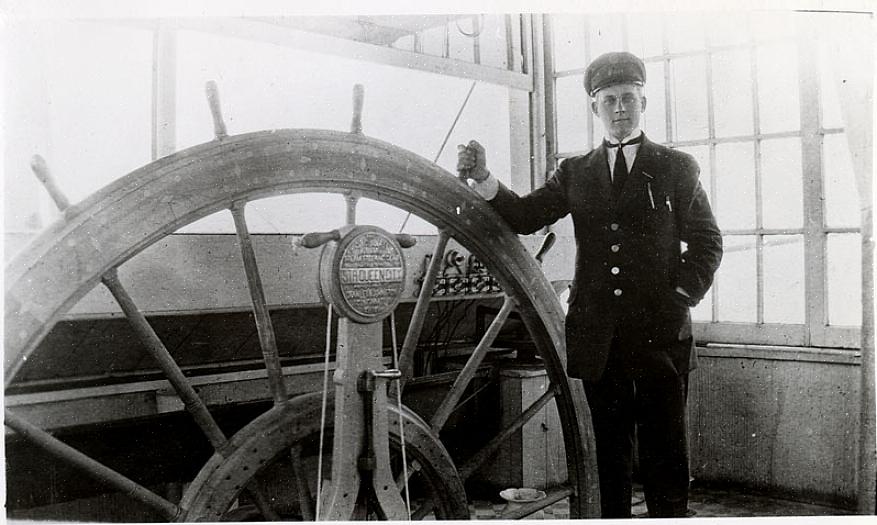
<point x="84" y="248"/>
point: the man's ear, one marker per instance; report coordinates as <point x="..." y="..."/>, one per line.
<point x="643" y="109"/>
<point x="594" y="106"/>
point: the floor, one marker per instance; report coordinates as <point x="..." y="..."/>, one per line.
<point x="703" y="503"/>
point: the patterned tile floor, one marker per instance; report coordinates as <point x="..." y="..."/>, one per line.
<point x="705" y="503"/>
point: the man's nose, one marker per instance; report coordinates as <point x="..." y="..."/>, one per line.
<point x="619" y="107"/>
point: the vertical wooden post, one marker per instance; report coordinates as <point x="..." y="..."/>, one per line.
<point x="867" y="470"/>
<point x="815" y="239"/>
<point x="853" y="74"/>
<point x="537" y="43"/>
<point x="164" y="92"/>
<point x="359" y="347"/>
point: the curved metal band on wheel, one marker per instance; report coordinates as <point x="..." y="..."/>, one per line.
<point x="274" y="432"/>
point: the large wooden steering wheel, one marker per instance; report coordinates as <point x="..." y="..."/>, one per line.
<point x="93" y="238"/>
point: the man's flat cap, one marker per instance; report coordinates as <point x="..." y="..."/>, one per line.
<point x="614" y="68"/>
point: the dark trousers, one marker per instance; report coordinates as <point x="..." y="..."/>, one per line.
<point x="654" y="402"/>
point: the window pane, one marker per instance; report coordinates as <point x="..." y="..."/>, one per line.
<point x="704" y="309"/>
<point x="736" y="280"/>
<point x="778" y="106"/>
<point x="654" y="121"/>
<point x="770" y="26"/>
<point x="728" y="29"/>
<point x="572" y="114"/>
<point x="841" y="195"/>
<point x="268" y="87"/>
<point x="219" y="222"/>
<point x="597" y="126"/>
<point x="784" y="279"/>
<point x="405" y="43"/>
<point x="830" y="100"/>
<point x="411" y="109"/>
<point x="461" y="47"/>
<point x="293" y="213"/>
<point x="391" y="218"/>
<point x="605" y="34"/>
<point x="257" y="88"/>
<point x="782" y="184"/>
<point x="702" y="155"/>
<point x="98" y="83"/>
<point x="685" y="32"/>
<point x="845" y="279"/>
<point x="569" y="41"/>
<point x="735" y="179"/>
<point x="645" y="35"/>
<point x="690" y="118"/>
<point x="432" y="41"/>
<point x="732" y="93"/>
<point x="493" y="42"/>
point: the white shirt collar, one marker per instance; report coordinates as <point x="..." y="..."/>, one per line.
<point x="633" y="134"/>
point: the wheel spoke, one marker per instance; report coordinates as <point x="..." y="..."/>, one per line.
<point x="304" y="491"/>
<point x="422" y="511"/>
<point x="415" y="326"/>
<point x="351" y="199"/>
<point x="413" y="469"/>
<point x="257" y="493"/>
<point x="265" y="328"/>
<point x="525" y="509"/>
<point x="92" y="467"/>
<point x="469" y="370"/>
<point x="193" y="403"/>
<point x="147" y="336"/>
<point x="482" y="455"/>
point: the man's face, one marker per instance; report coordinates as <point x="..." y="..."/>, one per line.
<point x="619" y="108"/>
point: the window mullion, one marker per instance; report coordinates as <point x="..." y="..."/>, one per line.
<point x="711" y="119"/>
<point x="550" y="93"/>
<point x="589" y="122"/>
<point x="668" y="91"/>
<point x="759" y="238"/>
<point x="815" y="257"/>
<point x="714" y="203"/>
<point x="759" y="213"/>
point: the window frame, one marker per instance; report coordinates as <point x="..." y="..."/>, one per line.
<point x="815" y="331"/>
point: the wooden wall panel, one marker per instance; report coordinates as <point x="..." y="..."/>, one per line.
<point x="785" y="426"/>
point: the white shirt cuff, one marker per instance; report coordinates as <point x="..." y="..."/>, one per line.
<point x="488" y="188"/>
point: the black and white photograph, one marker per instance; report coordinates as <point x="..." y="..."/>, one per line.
<point x="485" y="260"/>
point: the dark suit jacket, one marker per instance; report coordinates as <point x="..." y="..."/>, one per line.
<point x="628" y="260"/>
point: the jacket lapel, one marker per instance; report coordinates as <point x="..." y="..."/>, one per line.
<point x="598" y="170"/>
<point x="644" y="172"/>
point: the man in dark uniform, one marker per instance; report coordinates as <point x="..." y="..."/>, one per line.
<point x="628" y="327"/>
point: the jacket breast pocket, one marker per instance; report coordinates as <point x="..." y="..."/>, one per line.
<point x="660" y="212"/>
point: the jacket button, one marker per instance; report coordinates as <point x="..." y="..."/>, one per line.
<point x="615" y="270"/>
<point x="613" y="226"/>
<point x="617" y="292"/>
<point x="615" y="248"/>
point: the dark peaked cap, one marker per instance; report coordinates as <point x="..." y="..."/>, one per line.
<point x="614" y="68"/>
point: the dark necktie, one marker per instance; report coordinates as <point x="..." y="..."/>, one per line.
<point x="619" y="172"/>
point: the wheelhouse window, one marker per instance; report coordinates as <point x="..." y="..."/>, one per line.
<point x="752" y="97"/>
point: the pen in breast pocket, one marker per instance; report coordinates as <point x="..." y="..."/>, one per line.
<point x="649" y="188"/>
<point x="667" y="201"/>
